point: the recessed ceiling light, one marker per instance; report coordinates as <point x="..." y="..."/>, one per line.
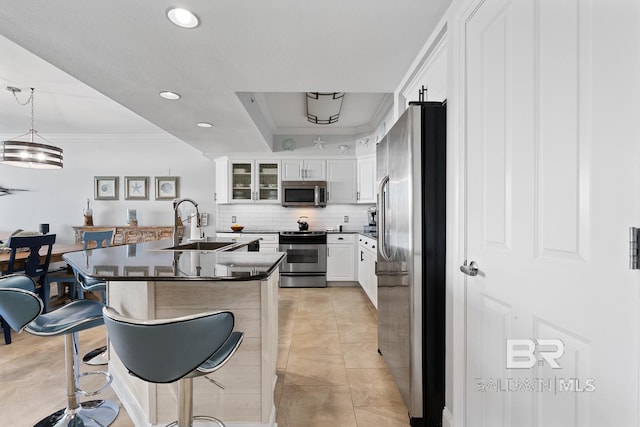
<point x="204" y="125"/>
<point x="182" y="17"/>
<point x="167" y="94"/>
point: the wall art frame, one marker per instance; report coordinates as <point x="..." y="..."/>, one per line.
<point x="136" y="188"/>
<point x="106" y="187"/>
<point x="167" y="187"/>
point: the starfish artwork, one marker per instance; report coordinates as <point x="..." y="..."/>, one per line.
<point x="136" y="188"/>
<point x="319" y="143"/>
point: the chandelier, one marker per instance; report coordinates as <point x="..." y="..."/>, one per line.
<point x="30" y="154"/>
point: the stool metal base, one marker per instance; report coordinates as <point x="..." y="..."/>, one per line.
<point x="200" y="420"/>
<point x="96" y="357"/>
<point x="95" y="413"/>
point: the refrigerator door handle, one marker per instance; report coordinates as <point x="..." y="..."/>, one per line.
<point x="382" y="217"/>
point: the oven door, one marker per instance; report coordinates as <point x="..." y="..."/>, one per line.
<point x="304" y="258"/>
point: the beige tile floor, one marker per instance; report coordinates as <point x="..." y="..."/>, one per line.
<point x="329" y="371"/>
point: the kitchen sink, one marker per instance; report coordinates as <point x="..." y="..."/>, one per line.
<point x="200" y="246"/>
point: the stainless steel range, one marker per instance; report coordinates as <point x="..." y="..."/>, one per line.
<point x="306" y="263"/>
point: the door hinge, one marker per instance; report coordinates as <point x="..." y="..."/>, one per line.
<point x="634" y="255"/>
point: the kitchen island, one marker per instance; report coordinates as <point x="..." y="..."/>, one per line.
<point x="153" y="281"/>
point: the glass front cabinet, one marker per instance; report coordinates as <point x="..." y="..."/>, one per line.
<point x="250" y="181"/>
<point x="267" y="181"/>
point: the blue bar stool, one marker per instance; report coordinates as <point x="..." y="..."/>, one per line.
<point x="169" y="350"/>
<point x="22" y="309"/>
<point x="102" y="239"/>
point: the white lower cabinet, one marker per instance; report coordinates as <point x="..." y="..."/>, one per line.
<point x="367" y="258"/>
<point x="340" y="257"/>
<point x="268" y="241"/>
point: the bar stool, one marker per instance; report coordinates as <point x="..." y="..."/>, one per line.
<point x="102" y="239"/>
<point x="169" y="350"/>
<point x="23" y="309"/>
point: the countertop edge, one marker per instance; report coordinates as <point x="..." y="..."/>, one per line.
<point x="272" y="265"/>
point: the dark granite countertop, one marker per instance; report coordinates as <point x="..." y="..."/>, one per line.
<point x="154" y="261"/>
<point x="249" y="231"/>
<point x="363" y="233"/>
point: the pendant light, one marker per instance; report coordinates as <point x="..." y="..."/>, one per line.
<point x="323" y="108"/>
<point x="30" y="154"/>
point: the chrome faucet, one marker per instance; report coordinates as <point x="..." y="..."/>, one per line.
<point x="177" y="221"/>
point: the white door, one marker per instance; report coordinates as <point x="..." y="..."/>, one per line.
<point x="552" y="185"/>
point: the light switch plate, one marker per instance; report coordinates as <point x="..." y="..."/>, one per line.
<point x="346" y="218"/>
<point x="233" y="219"/>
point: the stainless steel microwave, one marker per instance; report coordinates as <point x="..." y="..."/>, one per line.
<point x="304" y="193"/>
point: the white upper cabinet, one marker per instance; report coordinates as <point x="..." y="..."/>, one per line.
<point x="367" y="179"/>
<point x="221" y="194"/>
<point x="341" y="181"/>
<point x="247" y="181"/>
<point x="304" y="170"/>
<point x="349" y="181"/>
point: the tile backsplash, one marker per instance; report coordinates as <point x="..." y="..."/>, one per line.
<point x="276" y="218"/>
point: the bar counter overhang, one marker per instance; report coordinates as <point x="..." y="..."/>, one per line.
<point x="146" y="281"/>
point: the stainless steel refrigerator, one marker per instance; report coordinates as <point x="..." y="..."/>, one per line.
<point x="411" y="162"/>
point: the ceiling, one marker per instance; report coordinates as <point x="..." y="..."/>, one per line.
<point x="98" y="66"/>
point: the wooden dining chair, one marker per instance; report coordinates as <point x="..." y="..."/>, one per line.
<point x="35" y="266"/>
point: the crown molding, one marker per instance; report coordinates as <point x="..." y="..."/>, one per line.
<point x="104" y="137"/>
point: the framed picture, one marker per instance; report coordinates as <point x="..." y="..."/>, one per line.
<point x="136" y="188"/>
<point x="166" y="187"/>
<point x="106" y="187"/>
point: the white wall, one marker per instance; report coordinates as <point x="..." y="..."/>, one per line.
<point x="275" y="217"/>
<point x="58" y="197"/>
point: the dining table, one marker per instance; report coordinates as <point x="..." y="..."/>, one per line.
<point x="57" y="251"/>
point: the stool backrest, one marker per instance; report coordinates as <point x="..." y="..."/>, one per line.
<point x="165" y="350"/>
<point x="101" y="238"/>
<point x="34" y="265"/>
<point x="19" y="305"/>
